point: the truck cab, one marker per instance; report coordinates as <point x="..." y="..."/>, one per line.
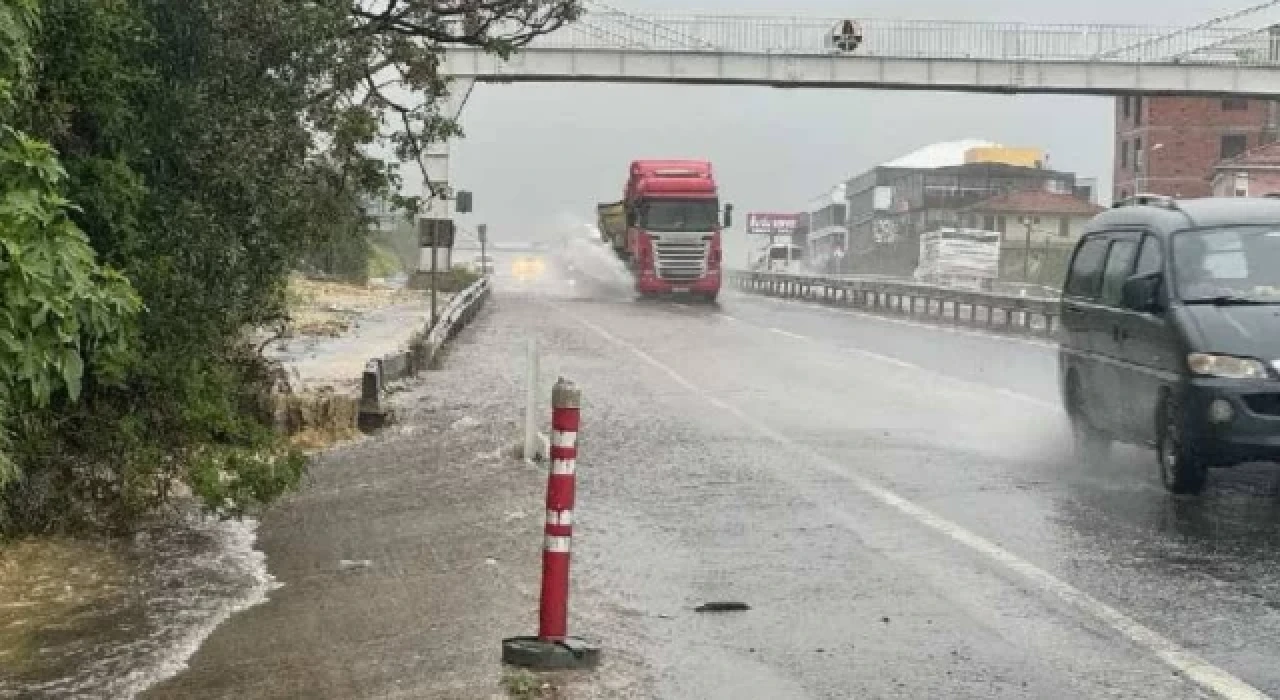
<point x="673" y="218"/>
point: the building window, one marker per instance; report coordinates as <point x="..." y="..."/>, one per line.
<point x="1124" y="154"/>
<point x="1242" y="185"/>
<point x="1064" y="227"/>
<point x="1137" y="154"/>
<point x="1001" y="224"/>
<point x="1235" y="104"/>
<point x="1137" y="111"/>
<point x="1234" y="144"/>
<point x="989" y="222"/>
<point x="1126" y="107"/>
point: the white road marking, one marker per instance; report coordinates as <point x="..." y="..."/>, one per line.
<point x="940" y="376"/>
<point x="1191" y="665"/>
<point x="788" y="334"/>
<point x="727" y="317"/>
<point x="1049" y="405"/>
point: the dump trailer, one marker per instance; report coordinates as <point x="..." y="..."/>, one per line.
<point x="612" y="222"/>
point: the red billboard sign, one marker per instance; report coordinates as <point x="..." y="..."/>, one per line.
<point x="772" y="224"/>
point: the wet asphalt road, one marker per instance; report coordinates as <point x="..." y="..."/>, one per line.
<point x="898" y="505"/>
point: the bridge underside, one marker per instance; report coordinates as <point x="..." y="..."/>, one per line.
<point x="871" y="72"/>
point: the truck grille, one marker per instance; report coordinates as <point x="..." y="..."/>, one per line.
<point x="681" y="259"/>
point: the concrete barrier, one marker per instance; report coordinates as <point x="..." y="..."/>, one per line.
<point x="995" y="312"/>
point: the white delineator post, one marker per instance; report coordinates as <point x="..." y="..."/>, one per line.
<point x="531" y="401"/>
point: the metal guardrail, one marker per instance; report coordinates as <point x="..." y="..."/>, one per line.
<point x="459" y="311"/>
<point x="887" y="38"/>
<point x="1000" y="313"/>
<point x="423" y="349"/>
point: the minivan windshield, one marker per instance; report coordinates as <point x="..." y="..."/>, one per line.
<point x="1228" y="265"/>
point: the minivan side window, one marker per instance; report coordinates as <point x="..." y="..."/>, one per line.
<point x="1150" y="258"/>
<point x="1119" y="264"/>
<point x="1086" y="268"/>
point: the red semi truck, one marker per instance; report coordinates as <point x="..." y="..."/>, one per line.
<point x="667" y="228"/>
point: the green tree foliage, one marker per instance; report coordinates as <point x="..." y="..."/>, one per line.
<point x="209" y="147"/>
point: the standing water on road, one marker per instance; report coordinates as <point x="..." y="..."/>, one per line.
<point x="108" y="619"/>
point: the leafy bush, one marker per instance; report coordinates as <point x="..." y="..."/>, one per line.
<point x="202" y="149"/>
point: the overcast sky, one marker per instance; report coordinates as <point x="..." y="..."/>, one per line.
<point x="539" y="156"/>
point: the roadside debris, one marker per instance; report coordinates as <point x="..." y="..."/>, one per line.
<point x="355" y="564"/>
<point x="726" y="606"/>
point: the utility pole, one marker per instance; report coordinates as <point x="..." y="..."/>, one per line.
<point x="482" y="232"/>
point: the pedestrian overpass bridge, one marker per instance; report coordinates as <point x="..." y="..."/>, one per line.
<point x="1237" y="54"/>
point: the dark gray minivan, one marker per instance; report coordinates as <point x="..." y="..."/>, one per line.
<point x="1171" y="333"/>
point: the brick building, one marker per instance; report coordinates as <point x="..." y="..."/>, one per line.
<point x="1252" y="174"/>
<point x="1170" y="145"/>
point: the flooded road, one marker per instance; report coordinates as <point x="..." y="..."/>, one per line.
<point x="108" y="619"/>
<point x="898" y="505"/>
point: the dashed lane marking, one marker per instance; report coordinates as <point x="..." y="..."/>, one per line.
<point x="1191" y="665"/>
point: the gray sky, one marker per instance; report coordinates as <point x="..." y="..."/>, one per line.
<point x="539" y="156"/>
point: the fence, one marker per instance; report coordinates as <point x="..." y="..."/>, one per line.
<point x="1020" y="314"/>
<point x="1236" y="43"/>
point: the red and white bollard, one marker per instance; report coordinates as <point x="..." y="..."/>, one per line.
<point x="553" y="648"/>
<point x="553" y="617"/>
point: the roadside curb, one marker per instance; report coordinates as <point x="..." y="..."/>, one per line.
<point x="423" y="352"/>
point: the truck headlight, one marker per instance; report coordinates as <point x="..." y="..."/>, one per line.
<point x="1226" y="366"/>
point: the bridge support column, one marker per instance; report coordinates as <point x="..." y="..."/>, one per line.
<point x="435" y="161"/>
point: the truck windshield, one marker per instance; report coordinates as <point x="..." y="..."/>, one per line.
<point x="1228" y="264"/>
<point x="679" y="214"/>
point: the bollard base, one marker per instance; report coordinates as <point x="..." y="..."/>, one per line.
<point x="571" y="654"/>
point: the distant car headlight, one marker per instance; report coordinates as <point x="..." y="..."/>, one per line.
<point x="1226" y="366"/>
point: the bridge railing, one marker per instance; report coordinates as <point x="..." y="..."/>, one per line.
<point x="1002" y="313"/>
<point x="888" y="38"/>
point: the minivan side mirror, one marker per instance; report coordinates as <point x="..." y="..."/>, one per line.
<point x="1142" y="293"/>
<point x="728" y="215"/>
<point x="632" y="217"/>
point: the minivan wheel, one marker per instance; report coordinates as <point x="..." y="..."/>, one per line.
<point x="1181" y="470"/>
<point x="1091" y="445"/>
